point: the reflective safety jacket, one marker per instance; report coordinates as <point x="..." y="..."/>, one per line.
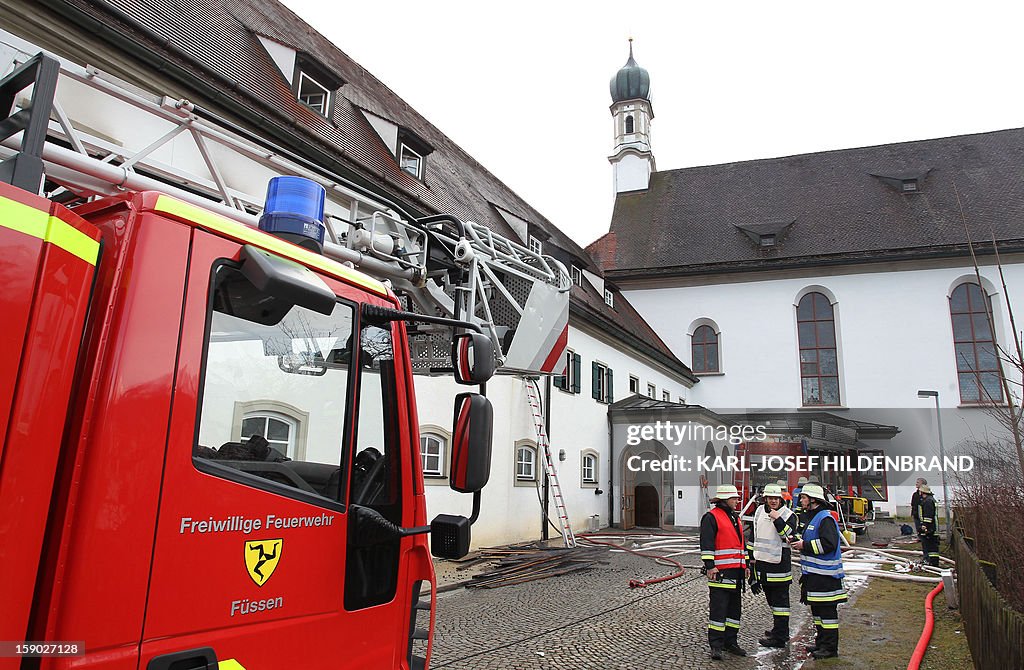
<point x="721" y="541"/>
<point x="817" y="558"/>
<point x="770" y="535"/>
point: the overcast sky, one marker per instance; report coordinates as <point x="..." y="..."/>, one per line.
<point x="523" y="86"/>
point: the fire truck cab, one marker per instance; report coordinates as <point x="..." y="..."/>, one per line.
<point x="211" y="452"/>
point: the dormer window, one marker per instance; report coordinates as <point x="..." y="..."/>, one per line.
<point x="313" y="94"/>
<point x="609" y="298"/>
<point x="908" y="181"/>
<point x="411" y="162"/>
<point x="411" y="152"/>
<point x="766" y="234"/>
<point x="311" y="82"/>
<point x="577" y="275"/>
<point x="535" y="246"/>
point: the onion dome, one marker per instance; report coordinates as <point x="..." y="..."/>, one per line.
<point x="631" y="81"/>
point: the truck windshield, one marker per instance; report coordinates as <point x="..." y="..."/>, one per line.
<point x="275" y="390"/>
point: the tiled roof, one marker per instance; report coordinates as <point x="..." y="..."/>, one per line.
<point x="845" y="205"/>
<point x="217" y="43"/>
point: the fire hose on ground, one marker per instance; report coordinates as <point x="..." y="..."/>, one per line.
<point x="641" y="583"/>
<point x="926" y="634"/>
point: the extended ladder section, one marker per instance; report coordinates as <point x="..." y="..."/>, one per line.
<point x="533" y="400"/>
<point x="74" y="133"/>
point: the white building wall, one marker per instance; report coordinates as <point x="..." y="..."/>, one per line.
<point x="630" y="172"/>
<point x="894" y="337"/>
<point x="893" y="329"/>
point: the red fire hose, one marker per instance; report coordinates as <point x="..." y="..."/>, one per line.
<point x="926" y="634"/>
<point x="641" y="583"/>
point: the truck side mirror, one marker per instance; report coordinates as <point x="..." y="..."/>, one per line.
<point x="472" y="358"/>
<point x="286" y="280"/>
<point x="471" y="443"/>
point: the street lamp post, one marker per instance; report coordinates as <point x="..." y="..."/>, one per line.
<point x="942" y="458"/>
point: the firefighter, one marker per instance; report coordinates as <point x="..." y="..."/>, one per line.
<point x="722" y="550"/>
<point x="821" y="565"/>
<point x="915" y="504"/>
<point x="796" y="491"/>
<point x="773" y="526"/>
<point x="787" y="499"/>
<point x="928" y="528"/>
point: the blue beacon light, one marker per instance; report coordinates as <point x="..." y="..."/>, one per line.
<point x="294" y="211"/>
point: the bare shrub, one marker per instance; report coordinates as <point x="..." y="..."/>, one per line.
<point x="990" y="507"/>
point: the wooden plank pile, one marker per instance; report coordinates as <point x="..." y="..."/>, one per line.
<point x="527" y="563"/>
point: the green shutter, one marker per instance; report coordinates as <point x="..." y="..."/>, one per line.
<point x="595" y="381"/>
<point x="609" y="398"/>
<point x="576" y="373"/>
<point x="558" y="381"/>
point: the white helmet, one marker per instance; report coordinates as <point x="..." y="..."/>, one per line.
<point x="814" y="491"/>
<point x="725" y="491"/>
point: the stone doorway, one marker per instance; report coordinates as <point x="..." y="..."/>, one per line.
<point x="646" y="495"/>
<point x="647" y="507"/>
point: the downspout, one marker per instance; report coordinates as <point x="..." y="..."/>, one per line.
<point x="547" y="430"/>
<point x="611" y="473"/>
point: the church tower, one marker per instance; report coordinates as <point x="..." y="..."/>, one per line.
<point x="632" y="160"/>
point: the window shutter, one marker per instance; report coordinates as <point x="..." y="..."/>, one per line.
<point x="608" y="388"/>
<point x="559" y="382"/>
<point x="576" y="373"/>
<point x="595" y="381"/>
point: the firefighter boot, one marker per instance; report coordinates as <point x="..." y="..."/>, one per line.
<point x="828" y="642"/>
<point x="735" y="649"/>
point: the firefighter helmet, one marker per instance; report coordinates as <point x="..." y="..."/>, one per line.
<point x="814" y="491"/>
<point x="726" y="491"/>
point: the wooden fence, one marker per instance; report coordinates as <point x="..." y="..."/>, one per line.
<point x="995" y="631"/>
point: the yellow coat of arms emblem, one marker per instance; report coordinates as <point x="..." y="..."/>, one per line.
<point x="261" y="558"/>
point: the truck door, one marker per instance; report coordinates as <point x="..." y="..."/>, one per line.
<point x="283" y="418"/>
<point x="46" y="273"/>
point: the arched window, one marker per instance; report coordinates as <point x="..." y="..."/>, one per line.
<point x="629" y="123"/>
<point x="704" y="347"/>
<point x="588" y="469"/>
<point x="526" y="463"/>
<point x="819" y="365"/>
<point x="432" y="453"/>
<point x="283" y="425"/>
<point x="279" y="429"/>
<point x="977" y="365"/>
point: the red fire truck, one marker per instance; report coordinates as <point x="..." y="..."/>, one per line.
<point x="152" y="515"/>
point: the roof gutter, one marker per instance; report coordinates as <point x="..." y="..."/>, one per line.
<point x="629" y="275"/>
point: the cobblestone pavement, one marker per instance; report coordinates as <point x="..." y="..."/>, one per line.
<point x="593" y="621"/>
